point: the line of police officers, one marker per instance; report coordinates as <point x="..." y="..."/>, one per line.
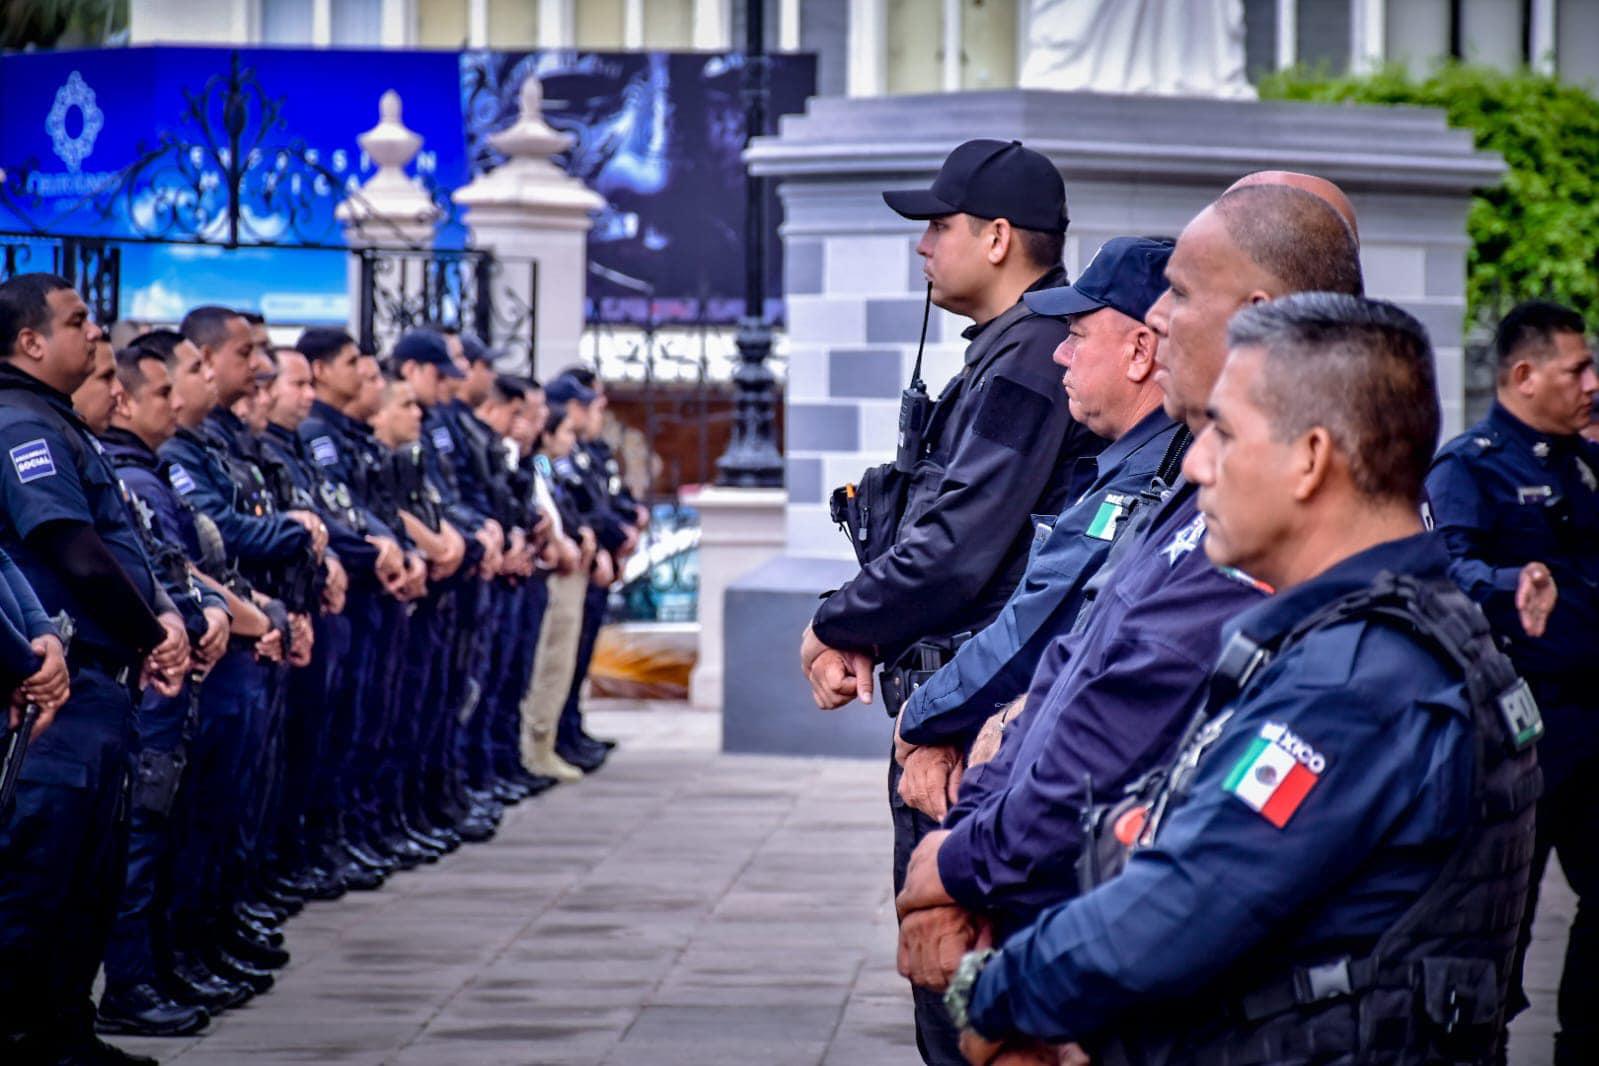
<point x="272" y="616"/>
<point x="1209" y="747"/>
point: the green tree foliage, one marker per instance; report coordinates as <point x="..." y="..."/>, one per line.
<point x="1535" y="235"/>
<point x="60" y="23"/>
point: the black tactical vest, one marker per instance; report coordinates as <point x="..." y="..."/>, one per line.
<point x="1433" y="987"/>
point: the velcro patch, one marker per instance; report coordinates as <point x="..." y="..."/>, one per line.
<point x="32" y="460"/>
<point x="1011" y="415"/>
<point x="441" y="440"/>
<point x="324" y="452"/>
<point x="180" y="478"/>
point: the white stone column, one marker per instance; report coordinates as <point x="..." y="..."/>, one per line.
<point x="739" y="530"/>
<point x="392" y="210"/>
<point x="529" y="210"/>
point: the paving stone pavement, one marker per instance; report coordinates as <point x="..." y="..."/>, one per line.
<point x="679" y="907"/>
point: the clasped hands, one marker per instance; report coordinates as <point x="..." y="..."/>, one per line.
<point x="836" y="676"/>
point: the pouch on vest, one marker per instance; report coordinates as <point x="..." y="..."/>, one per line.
<point x="155" y="780"/>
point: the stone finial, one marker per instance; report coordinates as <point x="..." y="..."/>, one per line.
<point x="528" y="183"/>
<point x="390" y="194"/>
<point x="531" y="137"/>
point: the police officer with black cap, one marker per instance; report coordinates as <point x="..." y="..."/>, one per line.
<point x="66" y="523"/>
<point x="944" y="531"/>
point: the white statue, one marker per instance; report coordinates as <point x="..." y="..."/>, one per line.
<point x="1155" y="47"/>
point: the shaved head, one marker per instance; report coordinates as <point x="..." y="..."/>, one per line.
<point x="1318" y="187"/>
<point x="1294" y="236"/>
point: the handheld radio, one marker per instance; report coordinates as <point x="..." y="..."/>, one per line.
<point x="914" y="404"/>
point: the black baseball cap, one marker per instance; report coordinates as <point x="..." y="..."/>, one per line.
<point x="425" y="346"/>
<point x="991" y="179"/>
<point x="1127" y="273"/>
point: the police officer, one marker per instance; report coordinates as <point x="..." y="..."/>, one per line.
<point x="584" y="471"/>
<point x="1109" y="357"/>
<point x="66" y="524"/>
<point x="342" y="448"/>
<point x="1108" y="701"/>
<point x="1516" y="499"/>
<point x="1332" y="867"/>
<point x="999" y="447"/>
<point x="208" y="466"/>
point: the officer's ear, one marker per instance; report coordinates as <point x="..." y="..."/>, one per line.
<point x="31" y="344"/>
<point x="1315" y="456"/>
<point x="997" y="241"/>
<point x="1141" y="341"/>
<point x="1259" y="296"/>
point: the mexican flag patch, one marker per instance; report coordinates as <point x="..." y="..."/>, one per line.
<point x="1276" y="773"/>
<point x="1107" y="519"/>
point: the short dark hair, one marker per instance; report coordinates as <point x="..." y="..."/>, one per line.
<point x="580" y="373"/>
<point x="1295" y="236"/>
<point x="1042" y="249"/>
<point x="322" y="343"/>
<point x="255" y="318"/>
<point x="207" y="325"/>
<point x="163" y="342"/>
<point x="552" y="421"/>
<point x="507" y="389"/>
<point x="25" y="304"/>
<point x="130" y="372"/>
<point x="1361" y="369"/>
<point x="1528" y="332"/>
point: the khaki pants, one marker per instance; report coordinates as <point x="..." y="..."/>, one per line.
<point x="554" y="661"/>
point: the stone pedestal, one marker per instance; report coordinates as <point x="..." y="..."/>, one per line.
<point x="1133" y="165"/>
<point x="739" y="530"/>
<point x="528" y="211"/>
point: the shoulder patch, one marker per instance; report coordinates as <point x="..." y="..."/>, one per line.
<point x="1011" y="415"/>
<point x="1184" y="540"/>
<point x="180" y="478"/>
<point x="324" y="451"/>
<point x="441" y="440"/>
<point x="32" y="460"/>
<point x="1275" y="773"/>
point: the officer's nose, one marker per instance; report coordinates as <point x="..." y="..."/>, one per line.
<point x="1063" y="353"/>
<point x="1158" y="317"/>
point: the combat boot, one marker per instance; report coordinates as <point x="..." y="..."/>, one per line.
<point x="142" y="1010"/>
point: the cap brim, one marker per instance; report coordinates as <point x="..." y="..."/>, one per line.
<point x="919" y="204"/>
<point x="1061" y="302"/>
<point x="450" y="370"/>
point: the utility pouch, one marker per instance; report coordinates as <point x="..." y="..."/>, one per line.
<point x="869" y="512"/>
<point x="156" y="775"/>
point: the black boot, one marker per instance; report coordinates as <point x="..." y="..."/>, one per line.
<point x="142" y="1010"/>
<point x="190" y="982"/>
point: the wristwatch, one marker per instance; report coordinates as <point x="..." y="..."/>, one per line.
<point x="959" y="997"/>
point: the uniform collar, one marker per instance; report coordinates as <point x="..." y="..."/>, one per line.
<point x="125" y="444"/>
<point x="286" y="437"/>
<point x="1420" y="555"/>
<point x="1148" y="428"/>
<point x="1054" y="278"/>
<point x="13" y="377"/>
<point x="1541" y="444"/>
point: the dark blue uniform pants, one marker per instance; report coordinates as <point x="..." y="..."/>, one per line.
<point x="139" y="936"/>
<point x="936" y="1036"/>
<point x="62" y="855"/>
<point x="569" y="731"/>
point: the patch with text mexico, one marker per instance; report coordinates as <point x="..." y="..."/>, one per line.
<point x="1276" y="773"/>
<point x="32" y="460"/>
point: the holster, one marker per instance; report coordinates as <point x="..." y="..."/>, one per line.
<point x="912" y="669"/>
<point x="156" y="775"/>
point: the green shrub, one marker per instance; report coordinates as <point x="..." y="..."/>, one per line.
<point x="1537" y="234"/>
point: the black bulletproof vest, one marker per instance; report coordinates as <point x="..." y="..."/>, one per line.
<point x="1432" y="989"/>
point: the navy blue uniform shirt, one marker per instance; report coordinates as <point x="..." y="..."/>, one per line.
<point x="332" y="502"/>
<point x="332" y="440"/>
<point x="54" y="471"/>
<point x="1226" y="896"/>
<point x="1130" y="683"/>
<point x="996" y="665"/>
<point x="1503" y="495"/>
<point x="197" y="471"/>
